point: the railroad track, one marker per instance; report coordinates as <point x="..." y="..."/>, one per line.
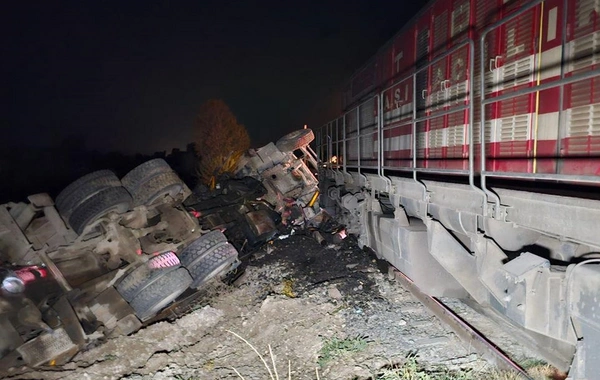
<point x="470" y="336"/>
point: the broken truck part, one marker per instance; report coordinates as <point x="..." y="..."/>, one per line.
<point x="108" y="256"/>
<point x="284" y="174"/>
<point x="273" y="185"/>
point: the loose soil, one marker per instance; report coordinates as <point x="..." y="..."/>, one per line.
<point x="294" y="296"/>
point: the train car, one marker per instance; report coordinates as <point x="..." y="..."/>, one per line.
<point x="468" y="156"/>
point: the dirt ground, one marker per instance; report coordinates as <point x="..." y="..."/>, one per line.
<point x="295" y="297"/>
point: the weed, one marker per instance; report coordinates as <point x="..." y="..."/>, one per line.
<point x="209" y="365"/>
<point x="531" y="363"/>
<point x="539" y="369"/>
<point x="334" y="347"/>
<point x="412" y="370"/>
<point x="288" y="289"/>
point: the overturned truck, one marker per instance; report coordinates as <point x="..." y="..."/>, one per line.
<point x="110" y="255"/>
<point x="103" y="259"/>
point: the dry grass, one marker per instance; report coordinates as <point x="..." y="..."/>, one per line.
<point x="409" y="370"/>
<point x="412" y="370"/>
<point x="271" y="370"/>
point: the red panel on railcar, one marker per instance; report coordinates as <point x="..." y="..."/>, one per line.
<point x="403" y="54"/>
<point x="512" y="127"/>
<point x="422" y="55"/>
<point x="397" y="124"/>
<point x="582" y="99"/>
<point x="546" y="127"/>
<point x="457" y="92"/>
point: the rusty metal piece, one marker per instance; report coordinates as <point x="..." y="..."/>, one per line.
<point x="318" y="237"/>
<point x="469" y="335"/>
<point x="260" y="222"/>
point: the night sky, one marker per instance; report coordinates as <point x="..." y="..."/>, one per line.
<point x="129" y="76"/>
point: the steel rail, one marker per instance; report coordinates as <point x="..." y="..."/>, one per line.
<point x="465" y="332"/>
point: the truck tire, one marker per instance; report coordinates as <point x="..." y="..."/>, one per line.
<point x="142" y="173"/>
<point x="131" y="284"/>
<point x="200" y="247"/>
<point x="107" y="200"/>
<point x="156" y="188"/>
<point x="207" y="256"/>
<point x="82" y="189"/>
<point x="214" y="262"/>
<point x="148" y="291"/>
<point x="295" y="140"/>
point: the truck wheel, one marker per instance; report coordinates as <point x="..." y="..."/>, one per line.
<point x="212" y="263"/>
<point x="148" y="291"/>
<point x="131" y="284"/>
<point x="84" y="188"/>
<point x="207" y="256"/>
<point x="200" y="247"/>
<point x="142" y="173"/>
<point x="295" y="140"/>
<point x="107" y="200"/>
<point x="154" y="189"/>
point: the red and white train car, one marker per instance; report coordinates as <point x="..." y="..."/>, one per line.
<point x="551" y="131"/>
<point x="478" y="125"/>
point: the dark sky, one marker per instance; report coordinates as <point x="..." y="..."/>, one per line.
<point x="130" y="75"/>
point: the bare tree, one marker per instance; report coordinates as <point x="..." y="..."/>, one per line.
<point x="219" y="139"/>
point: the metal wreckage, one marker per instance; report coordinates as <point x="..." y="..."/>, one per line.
<point x="109" y="256"/>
